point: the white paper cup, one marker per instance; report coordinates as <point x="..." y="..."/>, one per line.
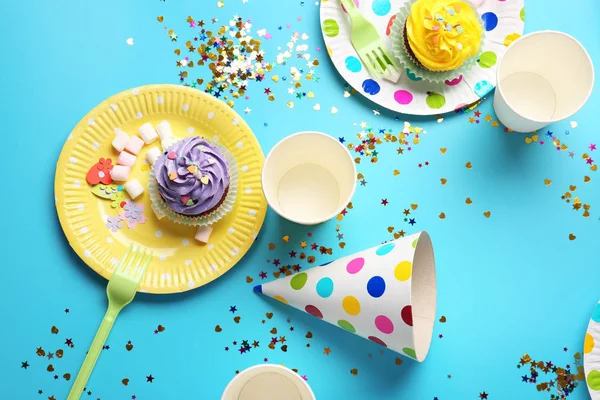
<point x="308" y="178"/>
<point x="543" y="77"/>
<point x="268" y="382"/>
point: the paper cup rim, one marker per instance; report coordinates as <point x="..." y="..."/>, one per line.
<point x="284" y="370"/>
<point x="269" y="198"/>
<point x="423" y="285"/>
<point x="525" y="38"/>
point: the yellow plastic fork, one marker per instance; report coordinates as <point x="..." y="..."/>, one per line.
<point x="121" y="289"/>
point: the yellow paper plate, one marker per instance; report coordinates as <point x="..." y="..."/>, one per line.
<point x="180" y="263"/>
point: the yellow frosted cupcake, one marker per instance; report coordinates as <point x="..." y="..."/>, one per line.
<point x="443" y="34"/>
<point x="441" y="37"/>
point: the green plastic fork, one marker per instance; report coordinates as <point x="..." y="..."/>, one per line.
<point x="368" y="44"/>
<point x="121" y="289"/>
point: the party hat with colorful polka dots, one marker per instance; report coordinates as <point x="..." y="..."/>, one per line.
<point x="385" y="294"/>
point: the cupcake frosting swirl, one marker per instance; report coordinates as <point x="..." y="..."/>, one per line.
<point x="192" y="176"/>
<point x="443" y="34"/>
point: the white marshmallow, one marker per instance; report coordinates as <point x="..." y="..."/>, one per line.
<point x="164" y="130"/>
<point x="148" y="133"/>
<point x="120" y="173"/>
<point x="134" y="145"/>
<point x="152" y="155"/>
<point x="126" y="159"/>
<point x="203" y="234"/>
<point x="133" y="188"/>
<point x="166" y="143"/>
<point x="120" y="141"/>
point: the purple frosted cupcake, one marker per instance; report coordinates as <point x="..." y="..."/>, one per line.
<point x="192" y="178"/>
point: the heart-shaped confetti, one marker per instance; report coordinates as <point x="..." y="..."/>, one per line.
<point x="129" y="346"/>
<point x="572" y="188"/>
<point x="309" y="335"/>
<point x="573" y="124"/>
<point x="586" y="179"/>
<point x="130" y="41"/>
<point x="346" y="94"/>
<point x="414" y="206"/>
<point x="40" y="352"/>
<point x="284" y="348"/>
<point x="443" y="181"/>
<point x="172" y="175"/>
<point x="269" y="315"/>
<point x="249" y="279"/>
<point x="572" y="237"/>
<point x="192" y="169"/>
<point x="177" y="51"/>
<point x="220" y="4"/>
<point x="442" y="319"/>
<point x="276" y="274"/>
<point x="160" y="328"/>
<point x="218" y="328"/>
<point x="390" y="229"/>
<point x="273" y="331"/>
<point x="443" y="150"/>
<point x="442" y="215"/>
<point x="469" y="165"/>
<point x="594" y="167"/>
<point x="54" y="330"/>
<point x="396" y="172"/>
<point x="339" y="217"/>
<point x="334" y="110"/>
<point x="50" y="368"/>
<point x="67" y="376"/>
<point x="160" y="18"/>
<point x="204" y="180"/>
<point x="397" y="235"/>
<point x="237" y="319"/>
<point x="310" y="95"/>
<point x="271" y="246"/>
<point x="272" y="346"/>
<point x="297" y="85"/>
<point x="286" y="238"/>
<point x="125" y="381"/>
<point x="275" y="78"/>
<point x="357" y="160"/>
<point x="547" y="182"/>
<point x="290" y="104"/>
<point x="468" y="200"/>
<point x="354" y="371"/>
<point x="494" y="124"/>
<point x="360" y="176"/>
<point x="585" y="156"/>
<point x="271" y="97"/>
<point x="487" y="214"/>
<point x="185" y="199"/>
<point x="59" y="353"/>
<point x="586" y="214"/>
<point x="172" y="155"/>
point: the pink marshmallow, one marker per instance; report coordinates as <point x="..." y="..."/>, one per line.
<point x="134" y="145"/>
<point x="126" y="159"/>
<point x="203" y="234"/>
<point x="120" y="173"/>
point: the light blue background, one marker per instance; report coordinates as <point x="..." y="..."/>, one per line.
<point x="509" y="285"/>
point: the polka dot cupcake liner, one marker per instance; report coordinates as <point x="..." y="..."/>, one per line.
<point x="411" y="65"/>
<point x="162" y="210"/>
<point x="504" y="22"/>
<point x="591" y="354"/>
<point x="386" y="294"/>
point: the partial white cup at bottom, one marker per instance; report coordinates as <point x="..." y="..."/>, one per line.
<point x="544" y="77"/>
<point x="309" y="178"/>
<point x="268" y="382"/>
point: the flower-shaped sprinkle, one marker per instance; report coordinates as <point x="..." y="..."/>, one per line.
<point x="113" y="223"/>
<point x="133" y="214"/>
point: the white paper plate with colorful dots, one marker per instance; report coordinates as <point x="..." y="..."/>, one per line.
<point x="591" y="355"/>
<point x="504" y="23"/>
<point x="99" y="218"/>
